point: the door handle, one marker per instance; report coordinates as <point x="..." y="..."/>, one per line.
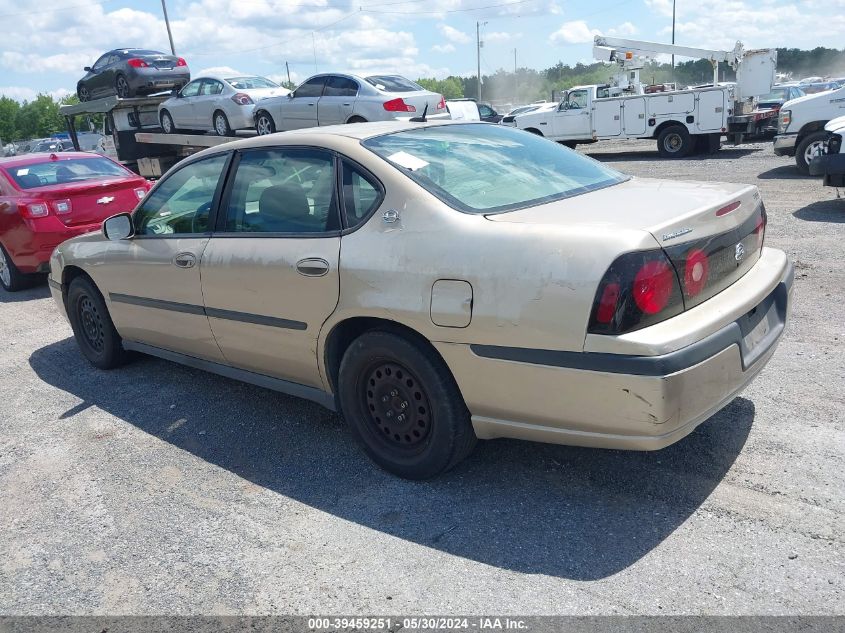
<point x="346" y="104"/>
<point x="185" y="260"/>
<point x="312" y="267"/>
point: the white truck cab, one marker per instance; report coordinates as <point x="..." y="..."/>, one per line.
<point x="801" y="130"/>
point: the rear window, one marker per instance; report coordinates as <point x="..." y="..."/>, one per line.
<point x="480" y="168"/>
<point x="57" y="172"/>
<point x="250" y="83"/>
<point x="393" y="83"/>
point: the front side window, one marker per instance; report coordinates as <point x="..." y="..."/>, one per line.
<point x="485" y="110"/>
<point x="577" y="100"/>
<point x="360" y="195"/>
<point x="311" y="88"/>
<point x="211" y="87"/>
<point x="283" y="191"/>
<point x="192" y="89"/>
<point x="479" y="168"/>
<point x="181" y="204"/>
<point x="102" y="62"/>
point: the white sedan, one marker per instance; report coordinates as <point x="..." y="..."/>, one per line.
<point x="216" y="103"/>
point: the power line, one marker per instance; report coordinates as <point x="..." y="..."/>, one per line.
<point x="65" y="8"/>
<point x="489" y="6"/>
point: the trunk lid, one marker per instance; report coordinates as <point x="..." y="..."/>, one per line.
<point x="257" y="94"/>
<point x="711" y="232"/>
<point x="419" y="99"/>
<point x="93" y="201"/>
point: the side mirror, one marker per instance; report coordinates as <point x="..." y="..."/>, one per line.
<point x="290" y="95"/>
<point x="87" y="69"/>
<point x="118" y="227"/>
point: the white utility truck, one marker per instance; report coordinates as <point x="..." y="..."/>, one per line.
<point x="682" y="121"/>
<point x="801" y="128"/>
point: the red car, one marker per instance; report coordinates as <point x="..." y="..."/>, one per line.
<point x="48" y="198"/>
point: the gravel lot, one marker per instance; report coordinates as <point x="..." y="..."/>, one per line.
<point x="157" y="489"/>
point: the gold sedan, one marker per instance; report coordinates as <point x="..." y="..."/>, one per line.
<point x="439" y="283"/>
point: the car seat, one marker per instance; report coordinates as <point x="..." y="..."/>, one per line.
<point x="285" y="209"/>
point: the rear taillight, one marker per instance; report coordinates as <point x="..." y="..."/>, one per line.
<point x="62" y="206"/>
<point x="137" y="63"/>
<point x="638" y="290"/>
<point x="37" y="209"/>
<point x="140" y="192"/>
<point x="241" y="98"/>
<point x="760" y="228"/>
<point x="181" y="62"/>
<point x="398" y="105"/>
<point x="442" y="104"/>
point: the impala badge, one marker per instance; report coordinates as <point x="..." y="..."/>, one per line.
<point x="677" y="233"/>
<point x="105" y="200"/>
<point x="739" y="252"/>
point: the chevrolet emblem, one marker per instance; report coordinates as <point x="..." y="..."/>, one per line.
<point x="105" y="200"/>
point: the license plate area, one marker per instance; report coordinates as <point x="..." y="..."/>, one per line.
<point x="761" y="326"/>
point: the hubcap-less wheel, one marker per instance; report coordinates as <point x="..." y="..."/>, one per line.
<point x="166" y="123"/>
<point x="5" y="273"/>
<point x="122" y="87"/>
<point x="221" y="126"/>
<point x="92" y="324"/>
<point x="397" y="406"/>
<point x="264" y="125"/>
<point x="673" y="143"/>
<point x="84" y="95"/>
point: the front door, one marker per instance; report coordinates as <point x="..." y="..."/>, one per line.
<point x="300" y="110"/>
<point x="270" y="273"/>
<point x="152" y="281"/>
<point x="183" y="108"/>
<point x="206" y="103"/>
<point x="572" y="119"/>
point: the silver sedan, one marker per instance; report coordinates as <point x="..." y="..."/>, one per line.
<point x="330" y="99"/>
<point x="216" y="103"/>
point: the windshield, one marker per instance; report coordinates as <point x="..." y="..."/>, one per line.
<point x="393" y="83"/>
<point x="250" y="83"/>
<point x="57" y="172"/>
<point x="480" y="168"/>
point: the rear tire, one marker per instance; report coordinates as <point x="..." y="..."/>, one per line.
<point x="92" y="326"/>
<point x="811" y="146"/>
<point x="264" y="124"/>
<point x="403" y="407"/>
<point x="221" y="124"/>
<point x="674" y="141"/>
<point x="357" y="119"/>
<point x="122" y="88"/>
<point x="11" y="278"/>
<point x="708" y="143"/>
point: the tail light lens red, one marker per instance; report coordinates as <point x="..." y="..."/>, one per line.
<point x="653" y="285"/>
<point x="442" y="104"/>
<point x="34" y="209"/>
<point x="241" y="98"/>
<point x="137" y="63"/>
<point x="398" y="105"/>
<point x="181" y="62"/>
<point x="62" y="206"/>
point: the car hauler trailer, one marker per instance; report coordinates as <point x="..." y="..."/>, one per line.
<point x="133" y="134"/>
<point x="682" y="121"/>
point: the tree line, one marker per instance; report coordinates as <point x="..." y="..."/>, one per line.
<point x="31" y="119"/>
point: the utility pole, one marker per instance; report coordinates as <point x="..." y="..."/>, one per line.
<point x="515" y="80"/>
<point x="167" y="24"/>
<point x="673" y="38"/>
<point x="287" y="68"/>
<point x="314" y="44"/>
<point x="479" y="44"/>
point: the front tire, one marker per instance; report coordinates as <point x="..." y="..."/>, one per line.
<point x="92" y="326"/>
<point x="812" y="145"/>
<point x="83" y="93"/>
<point x="264" y="124"/>
<point x="167" y="125"/>
<point x="674" y="142"/>
<point x="11" y="278"/>
<point x="403" y="407"/>
<point x="221" y="124"/>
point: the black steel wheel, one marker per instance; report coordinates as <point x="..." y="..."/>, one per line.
<point x="674" y="142"/>
<point x="92" y="326"/>
<point x="403" y="406"/>
<point x="83" y="93"/>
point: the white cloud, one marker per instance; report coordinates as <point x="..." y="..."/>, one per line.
<point x="575" y="32"/>
<point x="625" y="29"/>
<point x="443" y="48"/>
<point x="454" y="35"/>
<point x="21" y="93"/>
<point x="218" y="70"/>
<point x="501" y="36"/>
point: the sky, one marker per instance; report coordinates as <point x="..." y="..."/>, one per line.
<point x="44" y="48"/>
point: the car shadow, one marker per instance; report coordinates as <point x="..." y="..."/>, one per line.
<point x="577" y="513"/>
<point x="832" y="210"/>
<point x="785" y="172"/>
<point x="39" y="290"/>
<point x="646" y="155"/>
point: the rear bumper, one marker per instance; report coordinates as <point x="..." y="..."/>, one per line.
<point x="31" y="254"/>
<point x="156" y="79"/>
<point x="784" y="144"/>
<point x="618" y="401"/>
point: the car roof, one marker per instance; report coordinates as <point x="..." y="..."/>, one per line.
<point x="40" y="157"/>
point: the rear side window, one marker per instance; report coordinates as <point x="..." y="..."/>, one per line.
<point x="283" y="191"/>
<point x="192" y="89"/>
<point x="56" y="172"/>
<point x="393" y="83"/>
<point x="361" y="195"/>
<point x="181" y="204"/>
<point x="211" y="87"/>
<point x="340" y="87"/>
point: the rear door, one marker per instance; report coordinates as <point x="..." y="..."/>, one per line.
<point x="338" y="100"/>
<point x="300" y="111"/>
<point x="152" y="281"/>
<point x="270" y="274"/>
